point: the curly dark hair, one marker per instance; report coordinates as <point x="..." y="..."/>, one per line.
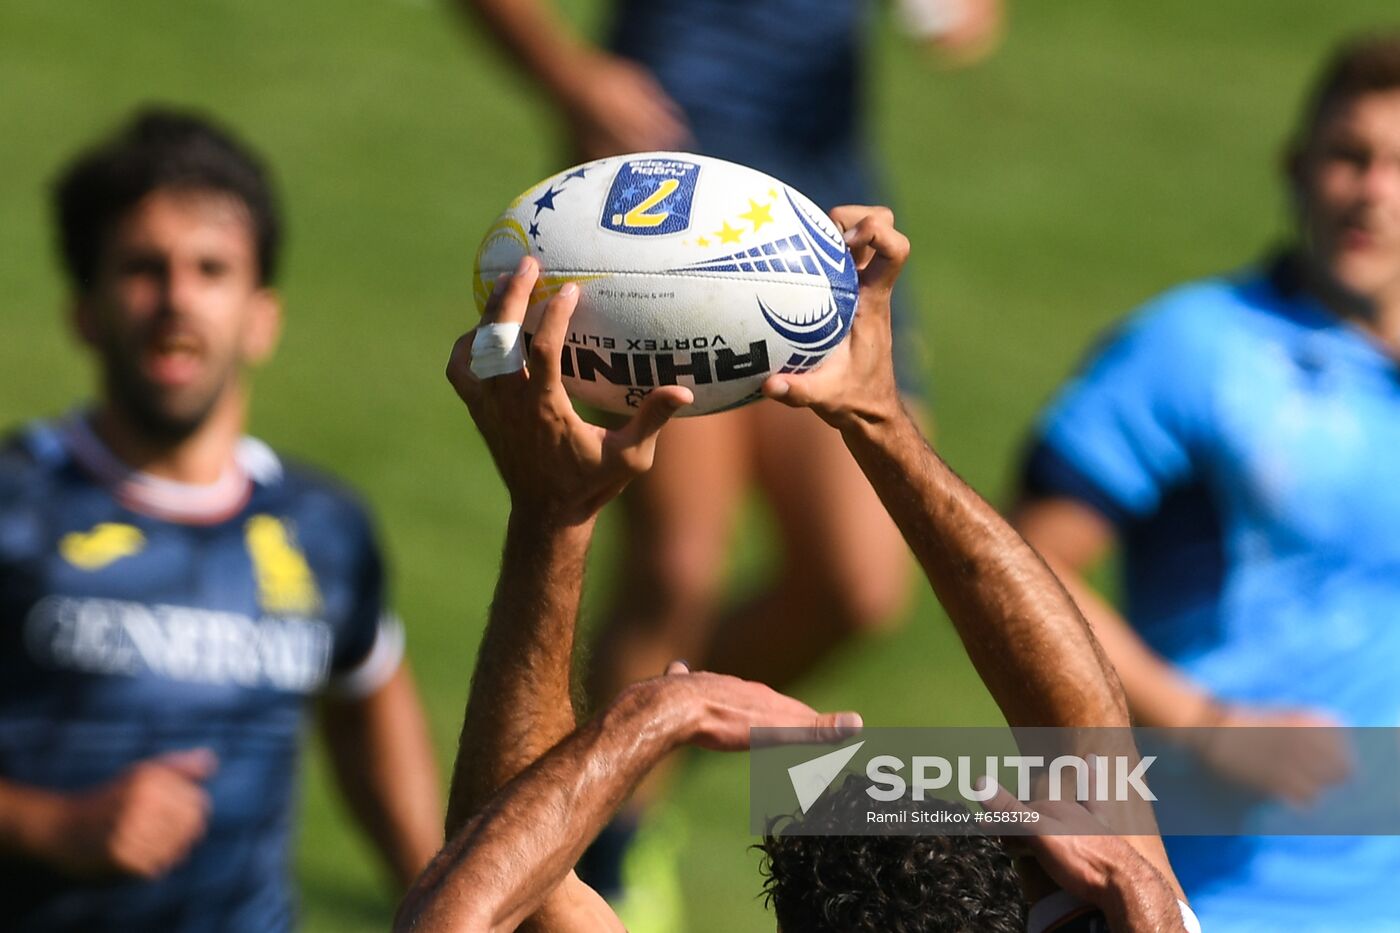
<point x="886" y="883"/>
<point x="159" y="149"/>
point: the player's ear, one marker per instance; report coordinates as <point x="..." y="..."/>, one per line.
<point x="264" y="326"/>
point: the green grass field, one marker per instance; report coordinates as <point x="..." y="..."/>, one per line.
<point x="1111" y="148"/>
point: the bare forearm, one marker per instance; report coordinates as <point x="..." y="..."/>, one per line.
<point x="520" y="704"/>
<point x="513" y="855"/>
<point x="384" y="761"/>
<point x="1023" y="633"/>
<point x="29" y="817"/>
<point x="536" y="36"/>
<point x="1139" y="900"/>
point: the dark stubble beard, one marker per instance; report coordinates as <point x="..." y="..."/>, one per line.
<point x="158" y="420"/>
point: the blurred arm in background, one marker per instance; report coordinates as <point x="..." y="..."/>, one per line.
<point x="959" y="33"/>
<point x="142" y="823"/>
<point x="612" y="105"/>
<point x="1074" y="538"/>
<point x="382" y="757"/>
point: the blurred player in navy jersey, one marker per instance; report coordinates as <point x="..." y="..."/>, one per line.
<point x="174" y="596"/>
<point x="775" y="85"/>
<point x="1239" y="439"/>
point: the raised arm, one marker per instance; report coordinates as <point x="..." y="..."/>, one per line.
<point x="1022" y="631"/>
<point x="512" y="850"/>
<point x="559" y="471"/>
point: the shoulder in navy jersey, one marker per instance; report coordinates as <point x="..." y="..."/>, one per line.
<point x="297" y="505"/>
<point x="29" y="459"/>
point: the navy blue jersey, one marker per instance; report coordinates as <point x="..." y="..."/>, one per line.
<point x="755" y="76"/>
<point x="140" y="616"/>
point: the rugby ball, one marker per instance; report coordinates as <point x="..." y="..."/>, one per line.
<point x="691" y="270"/>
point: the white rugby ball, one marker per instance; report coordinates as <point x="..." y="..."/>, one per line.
<point x="691" y="271"/>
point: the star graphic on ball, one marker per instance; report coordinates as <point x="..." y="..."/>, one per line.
<point x="758" y="215"/>
<point x="728" y="234"/>
<point x="545" y="201"/>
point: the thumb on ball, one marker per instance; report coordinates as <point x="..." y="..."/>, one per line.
<point x="794" y="391"/>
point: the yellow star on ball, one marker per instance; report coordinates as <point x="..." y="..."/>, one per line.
<point x="758" y="215"/>
<point x="728" y="234"/>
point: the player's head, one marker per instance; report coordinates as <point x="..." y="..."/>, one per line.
<point x="887" y="883"/>
<point x="169" y="233"/>
<point x="1345" y="168"/>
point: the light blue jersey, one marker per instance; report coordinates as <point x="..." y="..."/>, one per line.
<point x="1246" y="444"/>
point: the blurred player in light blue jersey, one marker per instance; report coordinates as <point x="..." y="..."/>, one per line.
<point x="1239" y="438"/>
<point x="174" y="597"/>
<point x="775" y="85"/>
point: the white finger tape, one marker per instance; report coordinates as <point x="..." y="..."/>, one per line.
<point x="496" y="350"/>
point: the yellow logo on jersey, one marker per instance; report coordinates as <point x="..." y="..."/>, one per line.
<point x="105" y="543"/>
<point x="285" y="582"/>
